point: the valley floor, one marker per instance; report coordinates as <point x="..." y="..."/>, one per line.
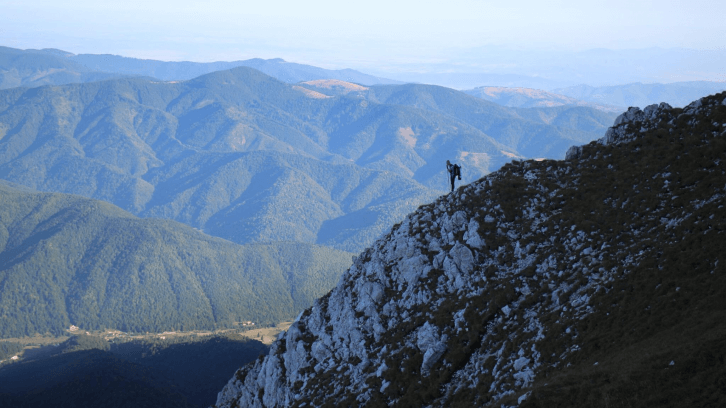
<point x="39" y="346"/>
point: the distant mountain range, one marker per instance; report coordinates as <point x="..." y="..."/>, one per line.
<point x="68" y="260"/>
<point x="532" y="98"/>
<point x="468" y="80"/>
<point x="677" y="94"/>
<point x="549" y="69"/>
<point x="32" y="68"/>
<point x="606" y="98"/>
<point x="248" y="158"/>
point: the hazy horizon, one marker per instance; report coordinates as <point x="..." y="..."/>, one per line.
<point x="385" y="38"/>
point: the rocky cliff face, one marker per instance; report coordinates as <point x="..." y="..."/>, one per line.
<point x="537" y="276"/>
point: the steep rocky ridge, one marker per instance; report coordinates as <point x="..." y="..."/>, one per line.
<point x="594" y="281"/>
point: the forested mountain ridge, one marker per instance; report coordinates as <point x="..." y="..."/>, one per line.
<point x="227" y="151"/>
<point x="594" y="281"/>
<point x="68" y="260"/>
<point x="530" y="132"/>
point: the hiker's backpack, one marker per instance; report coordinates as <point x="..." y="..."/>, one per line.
<point x="457" y="171"/>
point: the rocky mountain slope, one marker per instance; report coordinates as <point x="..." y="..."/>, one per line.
<point x="594" y="281"/>
<point x="68" y="260"/>
<point x="245" y="157"/>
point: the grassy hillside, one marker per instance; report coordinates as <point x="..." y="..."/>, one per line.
<point x="70" y="260"/>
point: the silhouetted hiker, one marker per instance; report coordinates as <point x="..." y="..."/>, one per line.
<point x="454" y="171"/>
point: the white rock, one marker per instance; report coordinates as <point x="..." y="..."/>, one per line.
<point x="573" y="152"/>
<point x="383" y="367"/>
<point x="694" y="105"/>
<point x="413" y="268"/>
<point x="462" y="257"/>
<point x="650" y="111"/>
<point x="319" y="351"/>
<point x="473" y="238"/>
<point x="431" y="356"/>
<point x="523" y="397"/>
<point x="432" y="344"/>
<point x="633" y="114"/>
<point x="520" y="363"/>
<point x="458" y="220"/>
<point x="526" y="377"/>
<point x="506" y="310"/>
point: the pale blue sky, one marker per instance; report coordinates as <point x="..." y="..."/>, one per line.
<point x="335" y="34"/>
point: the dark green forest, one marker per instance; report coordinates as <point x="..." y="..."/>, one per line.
<point x="67" y="260"/>
<point x="9" y="349"/>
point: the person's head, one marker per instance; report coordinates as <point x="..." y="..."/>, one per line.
<point x="448" y="162"/>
